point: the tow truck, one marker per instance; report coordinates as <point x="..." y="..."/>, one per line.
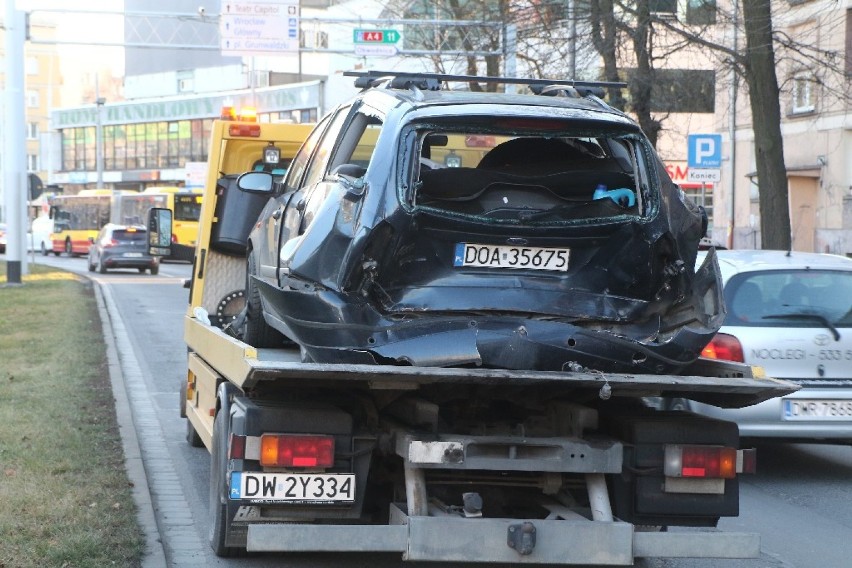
<point x="463" y="464"/>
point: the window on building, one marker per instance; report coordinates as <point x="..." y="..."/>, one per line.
<point x="849" y="42"/>
<point x="663" y="7"/>
<point x="701" y="12"/>
<point x="186" y="81"/>
<point x="32" y="162"/>
<point x="702" y="196"/>
<point x="803" y="93"/>
<point x="682" y="90"/>
<point x="31" y="66"/>
<point x="32" y="131"/>
<point x="32" y="99"/>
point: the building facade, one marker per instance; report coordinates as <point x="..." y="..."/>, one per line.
<point x="816" y="126"/>
<point x="151" y="141"/>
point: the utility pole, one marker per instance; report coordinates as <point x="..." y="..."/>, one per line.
<point x="15" y="171"/>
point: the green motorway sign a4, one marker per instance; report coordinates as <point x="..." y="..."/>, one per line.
<point x="376" y="36"/>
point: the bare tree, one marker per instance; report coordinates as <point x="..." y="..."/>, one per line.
<point x="759" y="66"/>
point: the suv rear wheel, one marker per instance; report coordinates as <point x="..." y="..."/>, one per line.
<point x="256" y="331"/>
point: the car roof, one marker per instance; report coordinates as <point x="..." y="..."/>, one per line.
<point x="735" y="261"/>
<point x="426" y="93"/>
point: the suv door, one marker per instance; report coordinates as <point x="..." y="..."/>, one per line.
<point x="265" y="238"/>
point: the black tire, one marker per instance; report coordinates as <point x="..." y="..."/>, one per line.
<point x="192" y="437"/>
<point x="155" y="270"/>
<point x="221" y="512"/>
<point x="256" y="331"/>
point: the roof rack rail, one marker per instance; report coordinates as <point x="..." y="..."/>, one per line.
<point x="431" y="81"/>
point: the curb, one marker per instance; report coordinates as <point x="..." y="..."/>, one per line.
<point x="154" y="556"/>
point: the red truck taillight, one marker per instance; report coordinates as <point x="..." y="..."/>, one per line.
<point x="710" y="462"/>
<point x="294" y="450"/>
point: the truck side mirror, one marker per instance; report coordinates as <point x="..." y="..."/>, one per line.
<point x="255" y="182"/>
<point x="159" y="231"/>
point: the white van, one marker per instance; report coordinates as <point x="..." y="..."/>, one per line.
<point x="38" y="237"/>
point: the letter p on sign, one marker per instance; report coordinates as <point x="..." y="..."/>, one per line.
<point x="704" y="150"/>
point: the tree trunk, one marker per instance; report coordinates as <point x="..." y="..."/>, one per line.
<point x="766" y="122"/>
<point x="604" y="37"/>
<point x="641" y="82"/>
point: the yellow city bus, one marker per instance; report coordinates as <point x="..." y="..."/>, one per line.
<point x="185" y="205"/>
<point x="77" y="220"/>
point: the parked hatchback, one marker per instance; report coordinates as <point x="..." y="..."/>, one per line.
<point x="791" y="313"/>
<point x="122" y="246"/>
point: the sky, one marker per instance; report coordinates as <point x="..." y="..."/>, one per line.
<point x="73" y="24"/>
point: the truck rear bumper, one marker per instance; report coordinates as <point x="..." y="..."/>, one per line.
<point x="580" y="541"/>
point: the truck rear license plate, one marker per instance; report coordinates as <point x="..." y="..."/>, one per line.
<point x="503" y="256"/>
<point x="814" y="409"/>
<point x="293" y="487"/>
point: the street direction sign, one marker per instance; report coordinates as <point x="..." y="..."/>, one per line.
<point x="259" y="27"/>
<point x="375" y="36"/>
<point x="704" y="150"/>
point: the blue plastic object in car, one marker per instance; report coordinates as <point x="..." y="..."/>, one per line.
<point x="618" y="196"/>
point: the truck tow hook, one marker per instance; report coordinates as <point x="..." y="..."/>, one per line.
<point x="521" y="537"/>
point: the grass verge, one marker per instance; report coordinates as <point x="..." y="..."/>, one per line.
<point x="65" y="499"/>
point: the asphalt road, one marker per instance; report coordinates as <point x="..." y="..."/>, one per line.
<point x="800" y="501"/>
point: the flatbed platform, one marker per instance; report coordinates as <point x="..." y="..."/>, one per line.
<point x="720" y="383"/>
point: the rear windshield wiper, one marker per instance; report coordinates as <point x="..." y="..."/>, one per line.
<point x="820" y="318"/>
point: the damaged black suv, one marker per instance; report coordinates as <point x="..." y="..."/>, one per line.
<point x="424" y="226"/>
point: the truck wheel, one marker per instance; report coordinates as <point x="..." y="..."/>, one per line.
<point x="192" y="437"/>
<point x="221" y="512"/>
<point x="256" y="331"/>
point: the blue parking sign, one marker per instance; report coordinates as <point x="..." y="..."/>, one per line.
<point x="704" y="150"/>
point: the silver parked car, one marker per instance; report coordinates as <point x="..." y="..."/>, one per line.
<point x="790" y="313"/>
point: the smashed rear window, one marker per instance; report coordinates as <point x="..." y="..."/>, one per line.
<point x="535" y="175"/>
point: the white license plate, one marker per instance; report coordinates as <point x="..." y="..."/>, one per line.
<point x="503" y="256"/>
<point x="813" y="409"/>
<point x="293" y="487"/>
<point x="132" y="255"/>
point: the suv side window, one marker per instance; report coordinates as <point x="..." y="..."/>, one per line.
<point x="318" y="163"/>
<point x="300" y="161"/>
<point x="358" y="142"/>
